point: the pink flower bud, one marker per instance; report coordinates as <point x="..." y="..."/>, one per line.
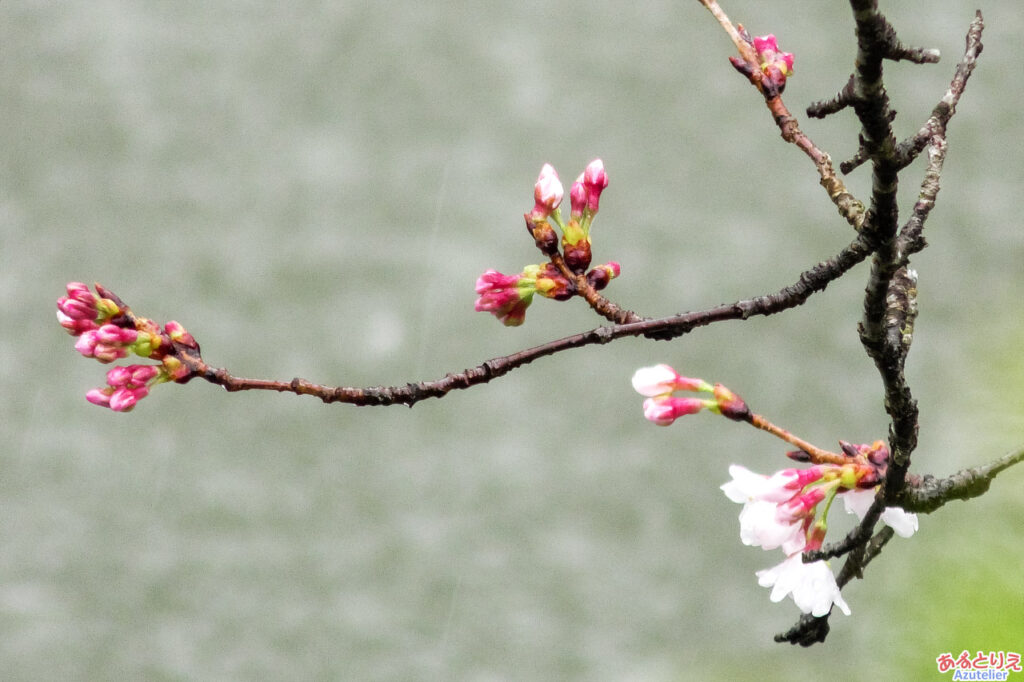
<point x="776" y="65"/>
<point x="119" y="376"/>
<point x="143" y="374"/>
<point x="506" y="296"/>
<point x="601" y="275"/>
<point x="178" y="334"/>
<point x="800" y="506"/>
<point x="547" y="193"/>
<point x="492" y="279"/>
<point x="99" y="396"/>
<point x="595" y="179"/>
<point x="76" y="310"/>
<point x="662" y="379"/>
<point x="124" y="399"/>
<point x="105" y="352"/>
<point x="75" y="327"/>
<point x="80" y="292"/>
<point x="578" y="197"/>
<point x="112" y="334"/>
<point x="86" y="344"/>
<point x="663" y="410"/>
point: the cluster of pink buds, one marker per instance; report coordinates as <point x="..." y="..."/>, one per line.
<point x="107" y="331"/>
<point x="508" y="296"/>
<point x="776" y="66"/>
<point x="659" y="382"/>
<point x="788" y="510"/>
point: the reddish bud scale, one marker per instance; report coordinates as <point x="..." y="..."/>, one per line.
<point x="600" y="276"/>
<point x="731" y="405"/>
<point x="552" y="284"/>
<point x="577" y="256"/>
<point x="544" y="235"/>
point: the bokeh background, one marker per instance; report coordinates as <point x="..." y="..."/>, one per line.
<point x="312" y="190"/>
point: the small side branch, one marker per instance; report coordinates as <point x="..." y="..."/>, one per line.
<point x="748" y="63"/>
<point x="926" y="493"/>
<point x="936" y="124"/>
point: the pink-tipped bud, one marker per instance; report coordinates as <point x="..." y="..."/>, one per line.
<point x="578" y="197"/>
<point x="76" y="310"/>
<point x="179" y="334"/>
<point x="112" y="334"/>
<point x="663" y="410"/>
<point x="815" y="536"/>
<point x="601" y="275"/>
<point x="777" y="66"/>
<point x="79" y="291"/>
<point x="506" y="296"/>
<point x="806" y="476"/>
<point x="663" y="379"/>
<point x="595" y="179"/>
<point x="99" y="396"/>
<point x="547" y="193"/>
<point x="131" y="376"/>
<point x="124" y="399"/>
<point x="75" y="327"/>
<point x="799" y="507"/>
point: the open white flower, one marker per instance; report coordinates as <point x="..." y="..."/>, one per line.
<point x="812" y="586"/>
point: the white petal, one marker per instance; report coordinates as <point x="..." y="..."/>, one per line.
<point x="759" y="526"/>
<point x="858" y="501"/>
<point x="903" y="522"/>
<point x="656" y="380"/>
<point x="746" y="485"/>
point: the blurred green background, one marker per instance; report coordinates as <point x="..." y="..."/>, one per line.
<point x="312" y="189"/>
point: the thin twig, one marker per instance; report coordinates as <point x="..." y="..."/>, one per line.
<point x="809" y="282"/>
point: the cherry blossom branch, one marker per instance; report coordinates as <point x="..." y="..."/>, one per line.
<point x="767" y="69"/>
<point x="787" y="510"/>
<point x="808" y="283"/>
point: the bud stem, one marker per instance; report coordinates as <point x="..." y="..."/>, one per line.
<point x="818" y="456"/>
